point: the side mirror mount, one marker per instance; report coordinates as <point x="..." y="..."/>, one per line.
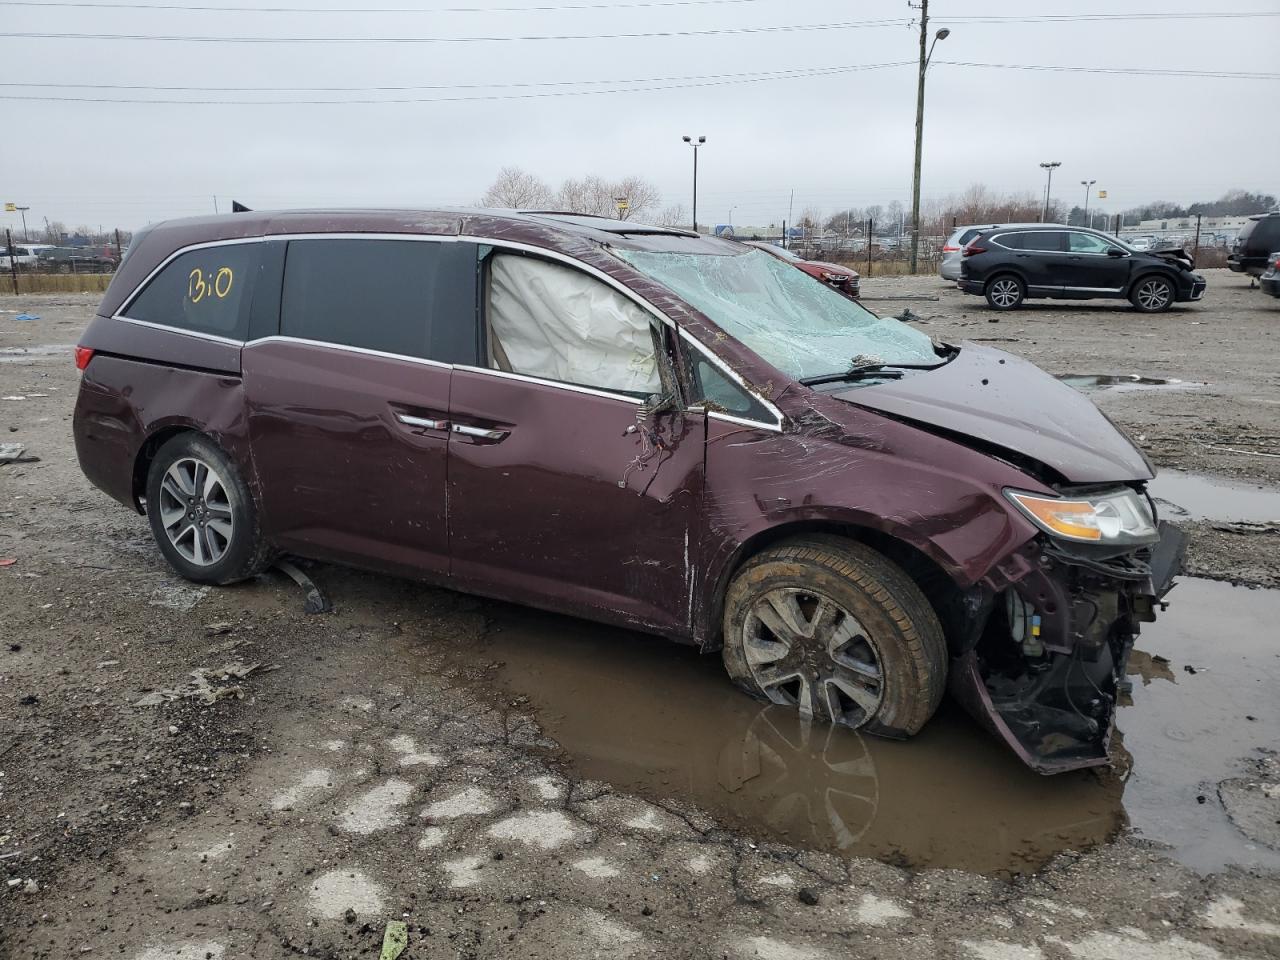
<point x="1115" y="252"/>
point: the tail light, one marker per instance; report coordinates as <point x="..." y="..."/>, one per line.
<point x="83" y="356"/>
<point x="972" y="247"/>
<point x="949" y="248"/>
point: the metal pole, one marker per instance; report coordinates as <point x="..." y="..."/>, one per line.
<point x="119" y="253"/>
<point x="915" y="178"/>
<point x="695" y="188"/>
<point x="871" y="228"/>
<point x="13" y="264"/>
<point x="1196" y="248"/>
<point x="26" y="237"/>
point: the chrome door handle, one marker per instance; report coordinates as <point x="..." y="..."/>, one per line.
<point x="481" y="432"/>
<point x="425" y="422"/>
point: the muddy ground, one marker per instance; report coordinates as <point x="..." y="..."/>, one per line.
<point x="514" y="784"/>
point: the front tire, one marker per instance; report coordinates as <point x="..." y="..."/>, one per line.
<point x="836" y="630"/>
<point x="201" y="513"/>
<point x="1152" y="294"/>
<point x="1005" y="292"/>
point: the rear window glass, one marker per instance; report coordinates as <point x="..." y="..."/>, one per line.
<point x="1013" y="241"/>
<point x="206" y="291"/>
<point x="1043" y="240"/>
<point x="968" y="235"/>
<point x="373" y="294"/>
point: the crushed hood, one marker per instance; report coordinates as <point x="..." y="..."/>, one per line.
<point x="1002" y="400"/>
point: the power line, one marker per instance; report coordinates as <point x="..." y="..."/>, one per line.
<point x="1128" y="71"/>
<point x="751" y="75"/>
<point x="637" y="4"/>
<point x="721" y="31"/>
<point x="747" y="78"/>
<point x="1090" y="17"/>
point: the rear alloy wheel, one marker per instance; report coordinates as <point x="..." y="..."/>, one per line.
<point x="1152" y="294"/>
<point x="835" y="630"/>
<point x="1005" y="293"/>
<point x="202" y="515"/>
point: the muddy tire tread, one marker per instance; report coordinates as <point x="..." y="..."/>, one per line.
<point x="882" y="581"/>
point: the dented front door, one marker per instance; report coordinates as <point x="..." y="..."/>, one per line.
<point x="560" y="499"/>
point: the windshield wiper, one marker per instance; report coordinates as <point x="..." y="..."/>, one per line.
<point x="875" y="371"/>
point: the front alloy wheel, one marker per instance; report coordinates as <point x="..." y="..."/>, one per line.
<point x="1152" y="295"/>
<point x="836" y="631"/>
<point x="806" y="650"/>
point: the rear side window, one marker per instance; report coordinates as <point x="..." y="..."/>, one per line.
<point x="1043" y="240"/>
<point x="967" y="235"/>
<point x="1012" y="241"/>
<point x="393" y="296"/>
<point x="208" y="290"/>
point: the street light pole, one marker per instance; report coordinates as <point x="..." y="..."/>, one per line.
<point x="26" y="237"/>
<point x="1050" y="167"/>
<point x="925" y="54"/>
<point x="695" y="144"/>
<point x="1088" y="185"/>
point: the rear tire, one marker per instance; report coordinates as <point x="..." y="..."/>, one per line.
<point x="836" y="630"/>
<point x="202" y="516"/>
<point x="1005" y="292"/>
<point x="1152" y="294"/>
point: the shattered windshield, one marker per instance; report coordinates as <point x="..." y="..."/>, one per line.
<point x="801" y="326"/>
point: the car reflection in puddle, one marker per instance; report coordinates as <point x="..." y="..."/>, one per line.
<point x="659" y="720"/>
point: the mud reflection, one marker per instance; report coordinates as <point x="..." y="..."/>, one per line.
<point x="1090" y="382"/>
<point x="658" y="719"/>
<point x="1190" y="496"/>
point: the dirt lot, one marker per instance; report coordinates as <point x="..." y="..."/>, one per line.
<point x="513" y="784"/>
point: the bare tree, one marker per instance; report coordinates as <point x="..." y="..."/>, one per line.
<point x="673" y="215"/>
<point x="599" y="197"/>
<point x="518" y="189"/>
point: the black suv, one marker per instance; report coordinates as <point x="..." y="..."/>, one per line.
<point x="1257" y="239"/>
<point x="1011" y="264"/>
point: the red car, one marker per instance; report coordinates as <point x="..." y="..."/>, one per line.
<point x="832" y="274"/>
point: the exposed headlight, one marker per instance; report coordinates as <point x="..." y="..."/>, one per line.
<point x="1115" y="517"/>
<point x="834" y="277"/>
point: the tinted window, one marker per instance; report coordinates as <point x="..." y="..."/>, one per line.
<point x="1013" y="241"/>
<point x="206" y="291"/>
<point x="967" y="235"/>
<point x="374" y="294"/>
<point x="1043" y="240"/>
<point x="1086" y="243"/>
<point x="722" y="394"/>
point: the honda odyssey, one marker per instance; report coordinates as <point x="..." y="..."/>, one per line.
<point x="642" y="426"/>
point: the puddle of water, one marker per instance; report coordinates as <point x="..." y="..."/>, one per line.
<point x="1189" y="496"/>
<point x="1090" y="382"/>
<point x="661" y="721"/>
<point x="1187" y="735"/>
<point x="19" y="354"/>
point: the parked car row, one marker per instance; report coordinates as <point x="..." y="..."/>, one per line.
<point x="54" y="259"/>
<point x="1012" y="263"/>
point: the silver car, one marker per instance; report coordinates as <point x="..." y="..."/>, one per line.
<point x="950" y="266"/>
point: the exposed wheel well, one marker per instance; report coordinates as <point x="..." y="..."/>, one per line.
<point x="942" y="592"/>
<point x="147" y="453"/>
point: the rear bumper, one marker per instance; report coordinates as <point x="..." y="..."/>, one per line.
<point x="1055" y="706"/>
<point x="1270" y="283"/>
<point x="971" y="286"/>
<point x="950" y="269"/>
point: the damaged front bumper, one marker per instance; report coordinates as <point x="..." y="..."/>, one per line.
<point x="1044" y="666"/>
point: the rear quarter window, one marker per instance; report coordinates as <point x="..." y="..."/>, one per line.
<point x="208" y="290"/>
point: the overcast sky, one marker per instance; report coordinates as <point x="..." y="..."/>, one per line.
<point x="836" y="140"/>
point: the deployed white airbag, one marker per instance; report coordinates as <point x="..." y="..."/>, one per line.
<point x="555" y="322"/>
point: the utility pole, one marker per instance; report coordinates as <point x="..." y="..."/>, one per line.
<point x="695" y="144"/>
<point x="926" y="51"/>
<point x="26" y="237"/>
<point x="1049" y="167"/>
<point x="1088" y="185"/>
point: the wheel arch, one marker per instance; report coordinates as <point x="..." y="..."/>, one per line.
<point x="160" y="434"/>
<point x="939" y="586"/>
<point x="1152" y="270"/>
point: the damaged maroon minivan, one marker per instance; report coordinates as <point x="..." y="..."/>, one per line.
<point x="637" y="425"/>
